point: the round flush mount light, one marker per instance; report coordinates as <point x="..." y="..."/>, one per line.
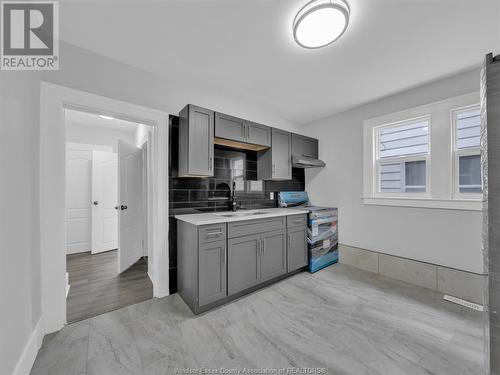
<point x="320" y="23"/>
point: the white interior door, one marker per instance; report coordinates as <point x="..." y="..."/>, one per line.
<point x="104" y="201"/>
<point x="78" y="199"/>
<point x="130" y="223"/>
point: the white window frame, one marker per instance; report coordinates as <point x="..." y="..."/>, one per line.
<point x="440" y="175"/>
<point x="378" y="161"/>
<point x="456" y="154"/>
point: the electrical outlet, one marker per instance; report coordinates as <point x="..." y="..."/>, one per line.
<point x="271" y="195"/>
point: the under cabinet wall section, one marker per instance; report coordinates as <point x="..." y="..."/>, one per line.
<point x="192" y="195"/>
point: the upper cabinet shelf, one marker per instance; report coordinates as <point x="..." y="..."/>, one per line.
<point x="236" y="132"/>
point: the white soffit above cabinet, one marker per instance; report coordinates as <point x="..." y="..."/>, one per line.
<point x="246" y="48"/>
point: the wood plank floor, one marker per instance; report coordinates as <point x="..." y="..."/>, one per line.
<point x="96" y="286"/>
<point x="344" y="320"/>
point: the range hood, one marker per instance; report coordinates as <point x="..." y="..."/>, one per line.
<point x="306" y="162"/>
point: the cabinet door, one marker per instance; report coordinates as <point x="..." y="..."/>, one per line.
<point x="304" y="146"/>
<point x="243" y="268"/>
<point x="212" y="284"/>
<point x="229" y="127"/>
<point x="273" y="255"/>
<point x="259" y="134"/>
<point x="297" y="248"/>
<point x="281" y="159"/>
<point x="201" y="141"/>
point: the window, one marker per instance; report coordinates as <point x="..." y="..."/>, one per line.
<point x="467" y="151"/>
<point x="403" y="150"/>
<point x="402" y="156"/>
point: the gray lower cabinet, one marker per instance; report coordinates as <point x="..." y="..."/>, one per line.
<point x="212" y="272"/>
<point x="196" y="142"/>
<point x="254" y="259"/>
<point x="222" y="261"/>
<point x="243" y="263"/>
<point x="273" y="255"/>
<point x="276" y="162"/>
<point x="297" y="248"/>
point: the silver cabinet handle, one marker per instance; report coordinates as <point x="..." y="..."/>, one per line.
<point x="210" y="163"/>
<point x="263" y="246"/>
<point x="243" y="131"/>
<point x="248" y="132"/>
<point x="289" y="240"/>
<point x="211" y="234"/>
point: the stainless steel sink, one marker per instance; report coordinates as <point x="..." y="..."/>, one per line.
<point x="242" y="213"/>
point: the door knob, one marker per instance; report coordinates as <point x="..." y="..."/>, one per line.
<point x="122" y="207"/>
<point x="96" y="203"/>
<point x="116" y="207"/>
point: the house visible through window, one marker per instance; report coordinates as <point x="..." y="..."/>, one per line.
<point x="467" y="151"/>
<point x="402" y="155"/>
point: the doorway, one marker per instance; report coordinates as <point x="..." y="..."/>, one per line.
<point x="55" y="100"/>
<point x="106" y="214"/>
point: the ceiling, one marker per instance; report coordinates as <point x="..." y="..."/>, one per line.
<point x="246" y="48"/>
<point x="91" y="119"/>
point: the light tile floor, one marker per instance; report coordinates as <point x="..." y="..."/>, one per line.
<point x="342" y="319"/>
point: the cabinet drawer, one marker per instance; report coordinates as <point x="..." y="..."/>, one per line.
<point x="212" y="232"/>
<point x="296" y="221"/>
<point x="243" y="228"/>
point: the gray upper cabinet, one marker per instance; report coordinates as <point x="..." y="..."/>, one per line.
<point x="273" y="255"/>
<point x="304" y="146"/>
<point x="240" y="130"/>
<point x="212" y="272"/>
<point x="196" y="142"/>
<point x="276" y="162"/>
<point x="230" y="127"/>
<point x="259" y="134"/>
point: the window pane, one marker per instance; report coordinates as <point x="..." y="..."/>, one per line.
<point x="390" y="178"/>
<point x="407" y="139"/>
<point x="404" y="177"/>
<point x="415" y="176"/>
<point x="468" y="128"/>
<point x="469" y="179"/>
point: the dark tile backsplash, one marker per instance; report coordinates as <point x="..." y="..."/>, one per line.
<point x="193" y="195"/>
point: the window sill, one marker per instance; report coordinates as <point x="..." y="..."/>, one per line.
<point x="446" y="204"/>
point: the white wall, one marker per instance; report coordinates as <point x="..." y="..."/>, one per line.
<point x="96" y="135"/>
<point x="19" y="214"/>
<point x="449" y="238"/>
<point x="84" y="70"/>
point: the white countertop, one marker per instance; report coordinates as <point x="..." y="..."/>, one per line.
<point x="220" y="217"/>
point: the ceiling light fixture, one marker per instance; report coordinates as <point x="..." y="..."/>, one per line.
<point x="320" y="23"/>
<point x="107" y="117"/>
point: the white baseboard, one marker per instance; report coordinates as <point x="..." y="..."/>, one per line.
<point x="30" y="351"/>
